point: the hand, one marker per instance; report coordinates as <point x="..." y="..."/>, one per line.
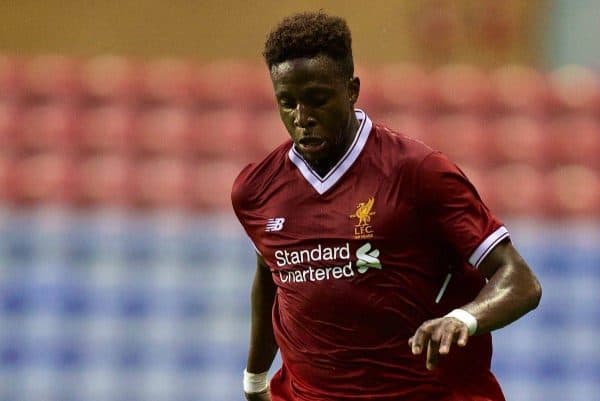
<point x="262" y="396"/>
<point x="438" y="335"/>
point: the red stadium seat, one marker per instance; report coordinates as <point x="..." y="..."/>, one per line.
<point x="577" y="88"/>
<point x="574" y="139"/>
<point x="521" y="89"/>
<point x="163" y="131"/>
<point x="106" y="129"/>
<point x="370" y="97"/>
<point x="47" y="127"/>
<point x="267" y="132"/>
<point x="169" y="81"/>
<point x="211" y="182"/>
<point x="406" y="87"/>
<point x="52" y="78"/>
<point x="160" y="183"/>
<point x="409" y="124"/>
<point x="575" y="191"/>
<point x="9" y="126"/>
<point x="111" y="79"/>
<point x="463" y="137"/>
<point x="463" y="88"/>
<point x="222" y="133"/>
<point x="103" y="181"/>
<point x="478" y="177"/>
<point x="236" y="84"/>
<point x="517" y="190"/>
<point x="44" y="178"/>
<point x="6" y="184"/>
<point x="519" y="139"/>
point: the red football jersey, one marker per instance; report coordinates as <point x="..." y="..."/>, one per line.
<point x="390" y="237"/>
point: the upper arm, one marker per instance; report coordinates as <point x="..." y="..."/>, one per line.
<point x="263" y="276"/>
<point x="260" y="263"/>
<point x="504" y="256"/>
<point x="510" y="277"/>
<point x="507" y="269"/>
<point x="454" y="209"/>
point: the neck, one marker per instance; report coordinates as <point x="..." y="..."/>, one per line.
<point x="322" y="167"/>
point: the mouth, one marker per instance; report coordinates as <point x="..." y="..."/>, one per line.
<point x="311" y="144"/>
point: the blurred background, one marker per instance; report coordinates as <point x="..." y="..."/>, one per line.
<point x="123" y="273"/>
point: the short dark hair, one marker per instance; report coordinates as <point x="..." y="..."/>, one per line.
<point x="310" y="34"/>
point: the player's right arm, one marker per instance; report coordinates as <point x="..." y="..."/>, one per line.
<point x="263" y="347"/>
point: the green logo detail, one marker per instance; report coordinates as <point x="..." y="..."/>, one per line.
<point x="367" y="259"/>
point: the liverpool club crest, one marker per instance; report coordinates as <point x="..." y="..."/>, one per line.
<point x="363" y="213"/>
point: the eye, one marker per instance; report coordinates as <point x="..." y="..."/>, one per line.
<point x="287" y="103"/>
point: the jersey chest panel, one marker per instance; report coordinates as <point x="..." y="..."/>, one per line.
<point x="350" y="223"/>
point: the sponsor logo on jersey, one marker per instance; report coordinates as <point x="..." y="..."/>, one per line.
<point x="342" y="264"/>
<point x="367" y="258"/>
<point x="274" y="224"/>
<point x="363" y="213"/>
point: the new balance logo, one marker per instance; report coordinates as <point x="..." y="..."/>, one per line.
<point x="367" y="259"/>
<point x="275" y="224"/>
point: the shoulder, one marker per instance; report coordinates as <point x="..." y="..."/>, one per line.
<point x="437" y="178"/>
<point x="254" y="177"/>
<point x="397" y="145"/>
<point x="420" y="167"/>
<point x="437" y="164"/>
<point x="398" y="149"/>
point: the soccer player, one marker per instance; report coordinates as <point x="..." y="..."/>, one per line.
<point x="380" y="272"/>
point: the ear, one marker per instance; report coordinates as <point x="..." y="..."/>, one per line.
<point x="353" y="89"/>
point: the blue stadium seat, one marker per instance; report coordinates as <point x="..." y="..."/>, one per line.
<point x="107" y="305"/>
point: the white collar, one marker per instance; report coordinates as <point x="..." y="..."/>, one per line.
<point x="322" y="184"/>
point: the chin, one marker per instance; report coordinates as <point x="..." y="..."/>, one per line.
<point x="312" y="159"/>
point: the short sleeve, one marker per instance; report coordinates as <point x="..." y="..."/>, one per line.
<point x="239" y="192"/>
<point x="241" y="201"/>
<point x="452" y="205"/>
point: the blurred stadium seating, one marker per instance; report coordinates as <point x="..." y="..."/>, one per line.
<point x="124" y="277"/>
<point x="200" y="113"/>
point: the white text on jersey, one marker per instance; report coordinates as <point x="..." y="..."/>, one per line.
<point x="288" y="258"/>
<point x="342" y="267"/>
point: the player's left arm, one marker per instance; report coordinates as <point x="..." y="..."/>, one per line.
<point x="512" y="290"/>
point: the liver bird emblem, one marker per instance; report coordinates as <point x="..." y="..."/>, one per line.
<point x="363" y="212"/>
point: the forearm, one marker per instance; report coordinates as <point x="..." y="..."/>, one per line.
<point x="511" y="292"/>
<point x="262" y="347"/>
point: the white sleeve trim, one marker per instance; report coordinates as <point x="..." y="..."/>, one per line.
<point x="487" y="245"/>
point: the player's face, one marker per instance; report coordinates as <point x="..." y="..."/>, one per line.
<point x="316" y="105"/>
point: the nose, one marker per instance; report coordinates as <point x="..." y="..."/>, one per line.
<point x="302" y="117"/>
